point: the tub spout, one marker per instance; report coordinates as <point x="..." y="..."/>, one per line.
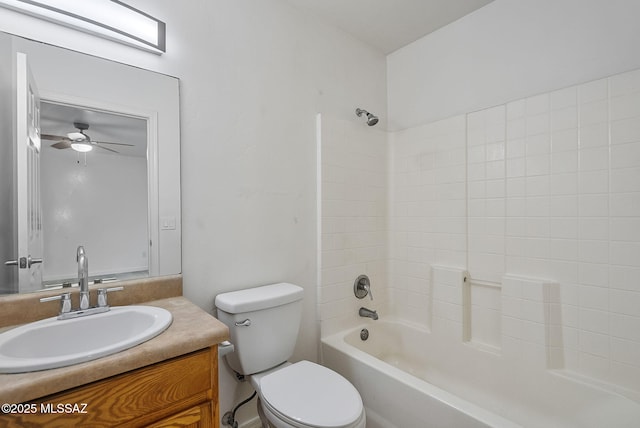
<point x="364" y="312"/>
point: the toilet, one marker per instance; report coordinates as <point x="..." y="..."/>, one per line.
<point x="264" y="323"/>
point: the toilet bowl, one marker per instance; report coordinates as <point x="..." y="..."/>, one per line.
<point x="263" y="323"/>
<point x="305" y="394"/>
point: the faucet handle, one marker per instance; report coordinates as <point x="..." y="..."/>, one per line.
<point x="65" y="301"/>
<point x="367" y="287"/>
<point x="102" y="295"/>
<point x="362" y="287"/>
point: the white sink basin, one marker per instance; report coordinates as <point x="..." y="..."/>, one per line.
<point x="52" y="343"/>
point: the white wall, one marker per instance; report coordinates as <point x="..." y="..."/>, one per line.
<point x="509" y="50"/>
<point x="253" y="75"/>
<point x="101" y="205"/>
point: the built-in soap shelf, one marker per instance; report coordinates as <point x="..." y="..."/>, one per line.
<point x="518" y="317"/>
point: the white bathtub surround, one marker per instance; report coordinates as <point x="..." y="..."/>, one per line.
<point x="428" y="211"/>
<point x="353" y="203"/>
<point x="531" y="322"/>
<point x="547" y="187"/>
<point x="486" y="193"/>
<point x="518" y="318"/>
<point x="448" y="301"/>
<point x="431" y="381"/>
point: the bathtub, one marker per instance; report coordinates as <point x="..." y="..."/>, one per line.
<point x="408" y="378"/>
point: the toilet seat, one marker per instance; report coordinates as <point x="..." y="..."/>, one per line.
<point x="306" y="394"/>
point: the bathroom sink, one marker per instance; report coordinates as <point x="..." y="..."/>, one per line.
<point x="52" y="343"/>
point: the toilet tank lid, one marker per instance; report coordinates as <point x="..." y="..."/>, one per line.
<point x="257" y="298"/>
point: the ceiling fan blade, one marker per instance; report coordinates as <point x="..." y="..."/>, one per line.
<point x="106" y="142"/>
<point x="62" y="145"/>
<point x="105" y="148"/>
<point x="53" y="137"/>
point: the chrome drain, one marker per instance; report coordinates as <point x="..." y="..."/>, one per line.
<point x="364" y="334"/>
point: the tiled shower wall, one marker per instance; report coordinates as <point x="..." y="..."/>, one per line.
<point x="354" y="219"/>
<point x="547" y="187"/>
<point x="428" y="211"/>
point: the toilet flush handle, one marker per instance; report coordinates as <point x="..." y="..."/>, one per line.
<point x="245" y="323"/>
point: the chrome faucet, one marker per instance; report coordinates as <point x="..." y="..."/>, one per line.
<point x="368" y="313"/>
<point x="66" y="312"/>
<point x="83" y="277"/>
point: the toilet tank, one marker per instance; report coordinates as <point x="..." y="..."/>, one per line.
<point x="263" y="323"/>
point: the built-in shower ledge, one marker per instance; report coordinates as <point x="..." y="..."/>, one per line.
<point x="192" y="329"/>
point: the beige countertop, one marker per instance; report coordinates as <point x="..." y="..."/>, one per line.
<point x="192" y="329"/>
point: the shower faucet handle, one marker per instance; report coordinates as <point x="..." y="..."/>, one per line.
<point x="362" y="287"/>
<point x="367" y="288"/>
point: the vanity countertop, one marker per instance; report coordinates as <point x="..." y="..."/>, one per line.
<point x="192" y="329"/>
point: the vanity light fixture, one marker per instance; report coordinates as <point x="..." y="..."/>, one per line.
<point x="111" y="19"/>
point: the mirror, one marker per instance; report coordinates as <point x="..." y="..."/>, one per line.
<point x="121" y="200"/>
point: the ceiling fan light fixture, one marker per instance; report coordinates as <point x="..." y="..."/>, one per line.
<point x="77" y="136"/>
<point x="81" y="146"/>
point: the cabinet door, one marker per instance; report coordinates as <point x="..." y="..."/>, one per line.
<point x="133" y="399"/>
<point x="195" y="417"/>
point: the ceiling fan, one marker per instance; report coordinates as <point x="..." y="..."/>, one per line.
<point x="79" y="141"/>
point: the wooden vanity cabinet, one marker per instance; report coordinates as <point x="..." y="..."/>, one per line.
<point x="180" y="392"/>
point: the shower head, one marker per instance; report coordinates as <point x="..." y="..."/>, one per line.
<point x="372" y="119"/>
